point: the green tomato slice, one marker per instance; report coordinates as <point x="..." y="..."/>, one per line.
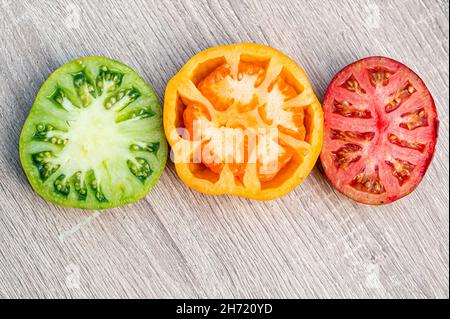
<point x="94" y="137"/>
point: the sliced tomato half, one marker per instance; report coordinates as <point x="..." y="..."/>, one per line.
<point x="380" y="130"/>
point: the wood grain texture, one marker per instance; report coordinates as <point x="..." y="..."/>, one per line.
<point x="179" y="243"/>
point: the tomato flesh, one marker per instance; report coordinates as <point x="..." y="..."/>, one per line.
<point x="380" y="130"/>
<point x="238" y="98"/>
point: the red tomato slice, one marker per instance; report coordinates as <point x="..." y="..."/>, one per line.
<point x="380" y="130"/>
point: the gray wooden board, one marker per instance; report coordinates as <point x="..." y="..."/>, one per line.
<point x="176" y="242"/>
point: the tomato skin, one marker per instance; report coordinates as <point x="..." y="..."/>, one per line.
<point x="383" y="123"/>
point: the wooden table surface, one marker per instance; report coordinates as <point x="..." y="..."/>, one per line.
<point x="176" y="242"/>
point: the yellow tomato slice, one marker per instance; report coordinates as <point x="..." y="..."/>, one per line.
<point x="231" y="100"/>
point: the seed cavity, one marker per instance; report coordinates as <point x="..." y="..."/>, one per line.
<point x="349" y="136"/>
<point x="347" y="155"/>
<point x="136" y="114"/>
<point x="379" y="76"/>
<point x="84" y="88"/>
<point x="401" y="170"/>
<point x="353" y="85"/>
<point x="58" y="97"/>
<point x="57" y="141"/>
<point x="79" y="185"/>
<point x="42" y="130"/>
<point x="61" y="186"/>
<point x="369" y="183"/>
<point x="122" y="98"/>
<point x="108" y="80"/>
<point x="100" y="196"/>
<point x="42" y="134"/>
<point x="346" y="109"/>
<point x="94" y="186"/>
<point x="140" y="168"/>
<point x="400" y="97"/>
<point x="394" y="139"/>
<point x="45" y="167"/>
<point x="152" y="147"/>
<point x="63" y="100"/>
<point x="414" y="119"/>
